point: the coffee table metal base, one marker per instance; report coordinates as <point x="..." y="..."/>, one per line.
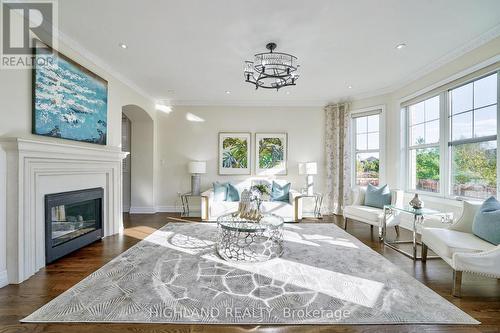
<point x="250" y="246"/>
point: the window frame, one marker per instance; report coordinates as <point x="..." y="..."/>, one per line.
<point x="445" y="140"/>
<point x="410" y="147"/>
<point x="358" y="113"/>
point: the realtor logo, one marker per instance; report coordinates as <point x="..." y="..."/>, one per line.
<point x="22" y="23"/>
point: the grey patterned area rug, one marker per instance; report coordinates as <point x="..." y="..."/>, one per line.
<point x="325" y="276"/>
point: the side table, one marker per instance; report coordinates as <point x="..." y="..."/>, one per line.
<point x="186" y="211"/>
<point x="318" y="202"/>
<point x="418" y="218"/>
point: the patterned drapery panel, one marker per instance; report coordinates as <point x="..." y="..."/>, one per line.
<point x="338" y="157"/>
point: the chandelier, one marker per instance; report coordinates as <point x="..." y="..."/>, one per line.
<point x="272" y="70"/>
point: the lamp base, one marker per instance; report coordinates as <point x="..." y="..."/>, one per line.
<point x="310" y="185"/>
<point x="195" y="184"/>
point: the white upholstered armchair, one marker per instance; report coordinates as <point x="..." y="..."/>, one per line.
<point x="366" y="214"/>
<point x="461" y="249"/>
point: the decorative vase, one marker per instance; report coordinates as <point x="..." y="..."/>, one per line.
<point x="258" y="201"/>
<point x="416" y="202"/>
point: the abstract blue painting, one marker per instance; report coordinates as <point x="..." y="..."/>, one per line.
<point x="69" y="101"/>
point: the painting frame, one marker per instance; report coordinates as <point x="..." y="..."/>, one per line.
<point x="77" y="114"/>
<point x="275" y="170"/>
<point x="223" y="168"/>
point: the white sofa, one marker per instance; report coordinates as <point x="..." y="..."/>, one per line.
<point x="461" y="249"/>
<point x="366" y="214"/>
<point x="291" y="211"/>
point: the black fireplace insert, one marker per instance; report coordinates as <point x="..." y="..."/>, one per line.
<point x="72" y="221"/>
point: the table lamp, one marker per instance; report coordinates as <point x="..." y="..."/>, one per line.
<point x="196" y="169"/>
<point x="309" y="169"/>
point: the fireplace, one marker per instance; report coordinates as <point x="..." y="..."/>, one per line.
<point x="72" y="221"/>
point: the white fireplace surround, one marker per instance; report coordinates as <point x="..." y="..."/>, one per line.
<point x="30" y="169"/>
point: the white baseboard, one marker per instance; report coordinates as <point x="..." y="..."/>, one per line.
<point x="126" y="209"/>
<point x="168" y="209"/>
<point x="4" y="279"/>
<point x="152" y="210"/>
<point x="142" y="210"/>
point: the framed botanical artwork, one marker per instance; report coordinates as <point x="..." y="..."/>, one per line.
<point x="271" y="150"/>
<point x="234" y="153"/>
<point x="69" y="101"/>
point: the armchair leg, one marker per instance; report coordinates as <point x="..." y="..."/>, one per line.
<point x="345" y="223"/>
<point x="457" y="283"/>
<point x="397" y="230"/>
<point x="424" y="252"/>
<point x="371" y="228"/>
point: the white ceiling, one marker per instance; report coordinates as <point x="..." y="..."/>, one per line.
<point x="191" y="52"/>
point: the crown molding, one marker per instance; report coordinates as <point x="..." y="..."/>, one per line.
<point x="250" y="103"/>
<point x="473" y="44"/>
<point x="77" y="47"/>
<point x="432" y="66"/>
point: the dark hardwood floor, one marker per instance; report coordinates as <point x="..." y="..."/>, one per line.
<point x="481" y="297"/>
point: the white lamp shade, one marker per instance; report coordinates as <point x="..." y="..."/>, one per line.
<point x="197" y="167"/>
<point x="308" y="168"/>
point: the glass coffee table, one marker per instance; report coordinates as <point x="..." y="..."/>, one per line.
<point x="249" y="241"/>
<point x="418" y="218"/>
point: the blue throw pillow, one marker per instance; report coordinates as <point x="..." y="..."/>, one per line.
<point x="232" y="193"/>
<point x="486" y="224"/>
<point x="377" y="196"/>
<point x="220" y="191"/>
<point x="280" y="193"/>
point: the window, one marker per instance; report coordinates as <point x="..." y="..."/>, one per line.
<point x="367" y="149"/>
<point x="473" y="139"/>
<point x="452" y="141"/>
<point x="423" y="143"/>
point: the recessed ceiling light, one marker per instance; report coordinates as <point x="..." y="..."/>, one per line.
<point x="122" y="45"/>
<point x="349" y="87"/>
<point x="228" y="92"/>
<point x="288" y="93"/>
<point x="401" y="46"/>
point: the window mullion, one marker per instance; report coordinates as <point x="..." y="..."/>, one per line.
<point x="444" y="152"/>
<point x="425" y="145"/>
<point x="498" y="133"/>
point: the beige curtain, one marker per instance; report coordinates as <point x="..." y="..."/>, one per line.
<point x="338" y="157"/>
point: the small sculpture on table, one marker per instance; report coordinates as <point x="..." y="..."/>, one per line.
<point x="248" y="208"/>
<point x="416" y="203"/>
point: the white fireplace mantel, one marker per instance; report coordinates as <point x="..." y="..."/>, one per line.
<point x="29" y="170"/>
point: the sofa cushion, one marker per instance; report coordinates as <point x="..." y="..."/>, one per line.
<point x="280" y="208"/>
<point x="446" y="242"/>
<point x="220" y="191"/>
<point x="223" y="207"/>
<point x="280" y="193"/>
<point x="365" y="213"/>
<point x="232" y="193"/>
<point x="377" y="196"/>
<point x="486" y="223"/>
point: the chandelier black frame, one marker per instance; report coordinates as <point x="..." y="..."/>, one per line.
<point x="272" y="70"/>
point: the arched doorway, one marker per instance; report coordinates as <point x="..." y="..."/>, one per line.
<point x="140" y="133"/>
<point x="126" y="171"/>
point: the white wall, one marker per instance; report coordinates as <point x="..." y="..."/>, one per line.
<point x="392" y="103"/>
<point x="16" y="115"/>
<point x="142" y="159"/>
<point x="180" y="141"/>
